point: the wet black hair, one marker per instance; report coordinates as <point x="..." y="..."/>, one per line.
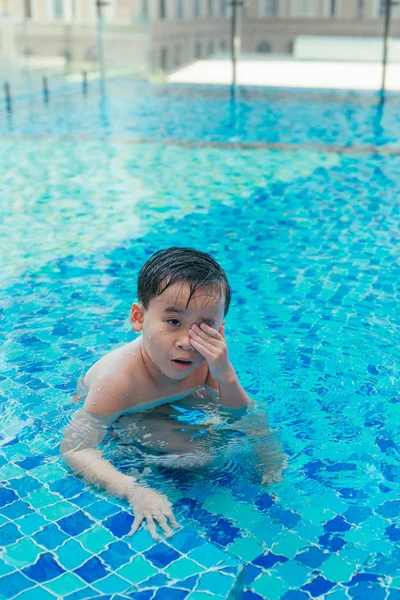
<point x="169" y="266"/>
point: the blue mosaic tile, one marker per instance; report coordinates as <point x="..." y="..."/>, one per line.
<point x="331" y="542"/>
<point x="367" y="590"/>
<point x="92" y="570"/>
<point x="72" y="555"/>
<point x="9" y="533"/>
<point x="186" y="540"/>
<point x="155" y="582"/>
<point x="13" y="584"/>
<point x="50" y="537"/>
<point x="102" y="509"/>
<point x="16" y="509"/>
<point x="363" y="577"/>
<point x="389" y="510"/>
<point x="143" y="595"/>
<point x="68" y="487"/>
<point x="75" y="524"/>
<point x="337" y="524"/>
<point x="24" y="485"/>
<point x="393" y="533"/>
<point x="82" y="594"/>
<point x="318" y="587"/>
<point x="264" y="502"/>
<point x="30" y="462"/>
<point x="287" y="517"/>
<point x="217" y="582"/>
<point x="84" y="500"/>
<point x="249" y="595"/>
<point x="44" y="569"/>
<point x="161" y="555"/>
<point x="189" y="583"/>
<point x="250" y="573"/>
<point x="312" y="557"/>
<point x="7" y="496"/>
<point x="269" y="560"/>
<point x="119" y="524"/>
<point x="170" y="594"/>
<point x="295" y="595"/>
<point x="116" y="555"/>
<point x="357" y="514"/>
<point x="224" y="533"/>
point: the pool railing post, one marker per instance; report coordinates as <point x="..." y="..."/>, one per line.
<point x="7" y="93"/>
<point x="235" y="41"/>
<point x="388" y="14"/>
<point x="45" y="89"/>
<point x="100" y="49"/>
<point x="84" y="82"/>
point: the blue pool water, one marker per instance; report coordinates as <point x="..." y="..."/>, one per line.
<point x="297" y="195"/>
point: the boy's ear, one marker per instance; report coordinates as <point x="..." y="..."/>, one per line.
<point x="136" y="317"/>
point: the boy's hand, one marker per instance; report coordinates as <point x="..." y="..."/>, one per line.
<point x="151" y="505"/>
<point x="211" y="344"/>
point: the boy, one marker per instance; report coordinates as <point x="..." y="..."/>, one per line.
<point x="183" y="296"/>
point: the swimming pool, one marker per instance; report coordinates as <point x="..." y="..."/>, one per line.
<point x="297" y="195"/>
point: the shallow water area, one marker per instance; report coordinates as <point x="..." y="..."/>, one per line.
<point x="308" y="234"/>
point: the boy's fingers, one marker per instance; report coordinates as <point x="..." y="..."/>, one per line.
<point x="163" y="524"/>
<point x="151" y="528"/>
<point x="206" y="339"/>
<point x="210" y="331"/>
<point x="202" y="347"/>
<point x="136" y="524"/>
<point x="171" y="518"/>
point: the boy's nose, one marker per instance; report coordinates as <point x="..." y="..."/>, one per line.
<point x="183" y="343"/>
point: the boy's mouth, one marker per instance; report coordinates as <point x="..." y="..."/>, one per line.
<point x="181" y="363"/>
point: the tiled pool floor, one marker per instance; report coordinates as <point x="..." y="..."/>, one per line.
<point x="310" y="242"/>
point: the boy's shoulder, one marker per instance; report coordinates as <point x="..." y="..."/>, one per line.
<point x="114" y="382"/>
<point x="118" y="383"/>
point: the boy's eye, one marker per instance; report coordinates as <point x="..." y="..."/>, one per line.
<point x="173" y="322"/>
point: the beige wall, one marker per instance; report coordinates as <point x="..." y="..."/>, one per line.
<point x="174" y="41"/>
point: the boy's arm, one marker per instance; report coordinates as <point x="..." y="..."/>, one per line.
<point x="221" y="375"/>
<point x="231" y="393"/>
<point x="253" y="421"/>
<point x="87" y="430"/>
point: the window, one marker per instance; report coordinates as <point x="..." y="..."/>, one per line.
<point x="197" y="50"/>
<point x="164" y="58"/>
<point x="210" y="8"/>
<point x="222" y="45"/>
<point x="380" y="9"/>
<point x="163" y="11"/>
<point x="210" y="48"/>
<point x="360" y="8"/>
<point x="332" y="8"/>
<point x="269" y="8"/>
<point x="263" y="47"/>
<point x="179" y="9"/>
<point x="144" y="10"/>
<point x="58" y="9"/>
<point x="196" y="9"/>
<point x="223" y="7"/>
<point x="27" y="9"/>
<point x="304" y="8"/>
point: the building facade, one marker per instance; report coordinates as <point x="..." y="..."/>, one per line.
<point x="180" y="31"/>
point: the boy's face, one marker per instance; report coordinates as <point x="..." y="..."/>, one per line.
<point x="166" y="324"/>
